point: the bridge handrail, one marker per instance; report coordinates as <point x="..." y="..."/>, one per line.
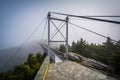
<point x="42" y="70"/>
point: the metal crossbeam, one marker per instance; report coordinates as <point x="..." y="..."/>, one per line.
<point x="57" y="41"/>
<point x="57" y="29"/>
<point x="57" y="19"/>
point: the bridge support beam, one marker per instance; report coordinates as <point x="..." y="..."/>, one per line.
<point x="48" y="16"/>
<point x="67" y="37"/>
<point x="50" y="20"/>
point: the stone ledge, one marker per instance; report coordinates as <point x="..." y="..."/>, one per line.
<point x="42" y="69"/>
<point x="69" y="70"/>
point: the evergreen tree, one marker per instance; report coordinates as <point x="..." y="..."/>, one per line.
<point x="32" y="60"/>
<point x="62" y="48"/>
<point x="38" y="56"/>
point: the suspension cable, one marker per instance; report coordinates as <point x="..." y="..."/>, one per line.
<point x="18" y="49"/>
<point x="91" y="31"/>
<point x="43" y="31"/>
<point x="90" y="17"/>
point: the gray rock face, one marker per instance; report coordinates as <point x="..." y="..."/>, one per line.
<point x="73" y="71"/>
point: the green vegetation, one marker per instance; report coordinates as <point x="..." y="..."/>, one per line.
<point x="26" y="71"/>
<point x="108" y="52"/>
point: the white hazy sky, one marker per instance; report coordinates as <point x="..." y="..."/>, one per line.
<point x="18" y="18"/>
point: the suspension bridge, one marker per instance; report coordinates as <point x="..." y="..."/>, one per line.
<point x="60" y="66"/>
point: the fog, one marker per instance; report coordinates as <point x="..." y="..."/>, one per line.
<point x="19" y="18"/>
